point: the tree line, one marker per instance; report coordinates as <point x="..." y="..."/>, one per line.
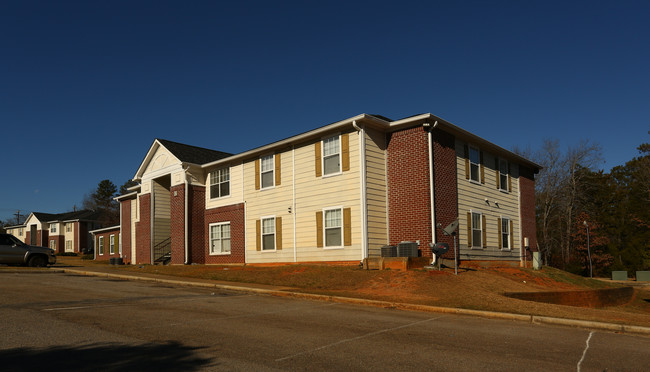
<point x="579" y="206"/>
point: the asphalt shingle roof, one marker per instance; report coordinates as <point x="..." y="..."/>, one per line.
<point x="193" y="154"/>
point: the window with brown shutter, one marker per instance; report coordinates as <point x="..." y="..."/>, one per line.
<point x="319" y="229"/>
<point x="278" y="177"/>
<point x="347" y="226"/>
<point x="278" y="233"/>
<point x="317" y="157"/>
<point x="345" y="152"/>
<point x="257" y="174"/>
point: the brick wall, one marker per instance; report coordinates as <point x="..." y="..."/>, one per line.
<point x="125" y="225"/>
<point x="445" y="185"/>
<point x="60" y="243"/>
<point x="409" y="203"/>
<point x="527" y="202"/>
<point x="197" y="224"/>
<point x="107" y="245"/>
<point x="143" y="231"/>
<point x="28" y="239"/>
<point x="235" y="215"/>
<point x="178" y="224"/>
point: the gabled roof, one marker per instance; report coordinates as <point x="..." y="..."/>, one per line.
<point x="192" y="154"/>
<point x="84" y="214"/>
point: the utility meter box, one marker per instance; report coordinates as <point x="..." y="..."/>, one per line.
<point x="537" y="261"/>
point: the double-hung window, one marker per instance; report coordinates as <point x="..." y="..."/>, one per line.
<point x="268" y="234"/>
<point x="477" y="230"/>
<point x="68" y="245"/>
<point x="53" y="244"/>
<point x="100" y="243"/>
<point x="68" y="227"/>
<point x="332" y="155"/>
<point x="220" y="183"/>
<point x="503" y="175"/>
<point x="475" y="164"/>
<point x="111" y="244"/>
<point x="266" y="171"/>
<point x="52" y="227"/>
<point x="505" y="233"/>
<point x="20" y="232"/>
<point x="220" y="238"/>
<point x="333" y="227"/>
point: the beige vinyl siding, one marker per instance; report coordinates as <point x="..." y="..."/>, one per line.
<point x="274" y="201"/>
<point x="376" y="191"/>
<point x="71" y="235"/>
<point x="236" y="191"/>
<point x="312" y="194"/>
<point x="472" y="196"/>
<point x="162" y="213"/>
<point x="315" y="193"/>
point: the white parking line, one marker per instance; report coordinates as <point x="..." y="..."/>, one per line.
<point x="585" y="351"/>
<point x="356" y="338"/>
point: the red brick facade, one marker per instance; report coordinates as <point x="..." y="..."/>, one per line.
<point x="84" y="241"/>
<point x="60" y="243"/>
<point x="143" y="231"/>
<point x="445" y="185"/>
<point x="235" y="215"/>
<point x="527" y="203"/>
<point x="107" y="243"/>
<point x="178" y="224"/>
<point x="125" y="223"/>
<point x="409" y="202"/>
<point x="196" y="223"/>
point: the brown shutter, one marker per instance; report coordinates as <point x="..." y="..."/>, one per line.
<point x="466" y="149"/>
<point x="499" y="230"/>
<point x="511" y="235"/>
<point x="278" y="175"/>
<point x="469" y="230"/>
<point x="509" y="179"/>
<point x="319" y="229"/>
<point x="484" y="232"/>
<point x="347" y="226"/>
<point x="345" y="152"/>
<point x="317" y="157"/>
<point x="497" y="167"/>
<point x="482" y="167"/>
<point x="257" y="174"/>
<point x="258" y="235"/>
<point x="278" y="233"/>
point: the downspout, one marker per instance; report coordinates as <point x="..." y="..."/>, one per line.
<point x="293" y="204"/>
<point x="364" y="198"/>
<point x="432" y="186"/>
<point x="187" y="189"/>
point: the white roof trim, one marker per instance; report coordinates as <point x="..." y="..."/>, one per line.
<point x="104" y="229"/>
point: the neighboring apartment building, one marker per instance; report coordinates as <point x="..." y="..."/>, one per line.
<point x="336" y="193"/>
<point x="107" y="243"/>
<point x="63" y="232"/>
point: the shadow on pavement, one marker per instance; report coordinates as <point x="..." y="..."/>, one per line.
<point x="171" y="356"/>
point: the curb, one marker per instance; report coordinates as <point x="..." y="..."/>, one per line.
<point x="533" y="319"/>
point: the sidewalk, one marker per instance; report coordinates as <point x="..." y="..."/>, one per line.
<point x="108" y="271"/>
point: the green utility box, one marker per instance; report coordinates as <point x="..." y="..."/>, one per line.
<point x="643" y="276"/>
<point x="619" y="275"/>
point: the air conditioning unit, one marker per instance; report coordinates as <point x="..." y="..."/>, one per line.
<point x="389" y="251"/>
<point x="407" y="249"/>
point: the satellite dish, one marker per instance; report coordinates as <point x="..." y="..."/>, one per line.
<point x="440" y="248"/>
<point x="451" y="228"/>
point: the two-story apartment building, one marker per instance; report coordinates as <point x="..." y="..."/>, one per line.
<point x="63" y="232"/>
<point x="336" y="193"/>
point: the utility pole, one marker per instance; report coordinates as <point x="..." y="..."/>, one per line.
<point x="17" y="214"/>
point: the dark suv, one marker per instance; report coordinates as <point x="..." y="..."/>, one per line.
<point x="15" y="252"/>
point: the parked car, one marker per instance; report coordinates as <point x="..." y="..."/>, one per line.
<point x="15" y="252"/>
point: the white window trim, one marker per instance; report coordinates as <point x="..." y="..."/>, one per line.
<point x="509" y="233"/>
<point x="100" y="246"/>
<point x="53" y="244"/>
<point x="111" y="244"/>
<point x="210" y="253"/>
<point x="503" y="186"/>
<point x="322" y="156"/>
<point x="271" y="171"/>
<point x="52" y="227"/>
<point x="480" y="246"/>
<point x="342" y="246"/>
<point x="469" y="157"/>
<point x="68" y="227"/>
<point x="229" y="183"/>
<point x="275" y="239"/>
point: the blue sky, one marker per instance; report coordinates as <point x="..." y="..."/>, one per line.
<point x="86" y="86"/>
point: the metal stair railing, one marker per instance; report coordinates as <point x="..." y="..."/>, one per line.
<point x="162" y="252"/>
